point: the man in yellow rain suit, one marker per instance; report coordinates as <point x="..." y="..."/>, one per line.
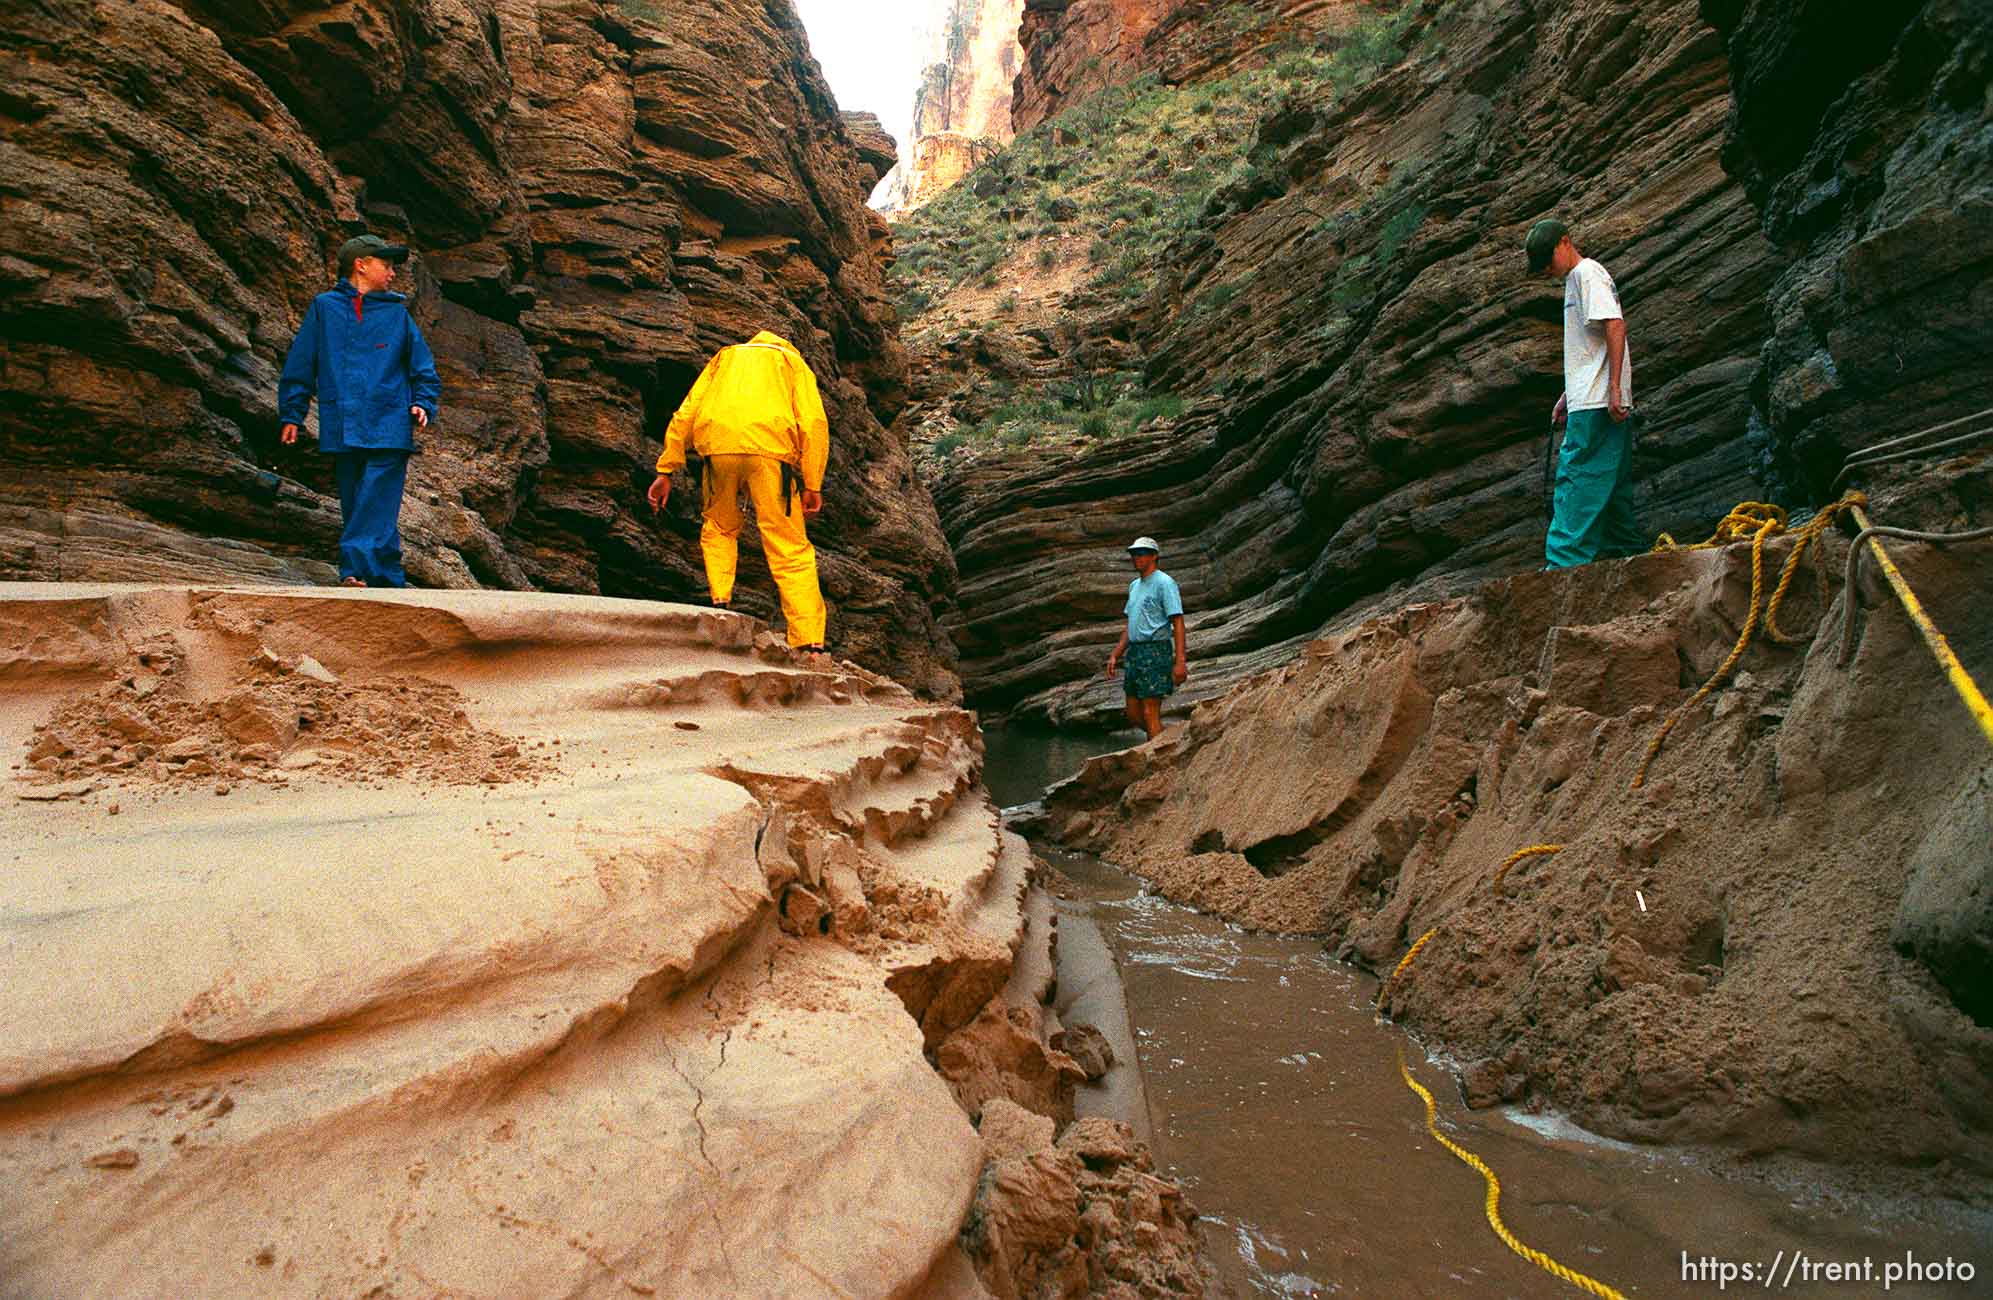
<point x="757" y="421"/>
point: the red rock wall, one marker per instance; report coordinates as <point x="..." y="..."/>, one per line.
<point x="1074" y="48"/>
<point x="598" y="200"/>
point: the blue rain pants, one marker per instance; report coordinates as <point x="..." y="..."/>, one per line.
<point x="1593" y="514"/>
<point x="370" y="484"/>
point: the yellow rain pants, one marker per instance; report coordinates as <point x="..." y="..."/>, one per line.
<point x="792" y="561"/>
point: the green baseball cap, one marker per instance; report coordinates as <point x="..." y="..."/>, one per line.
<point x="1543" y="239"/>
<point x="371" y="246"/>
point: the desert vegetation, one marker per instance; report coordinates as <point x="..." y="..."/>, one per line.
<point x="1079" y="218"/>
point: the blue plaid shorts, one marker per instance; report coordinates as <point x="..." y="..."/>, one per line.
<point x="1146" y="672"/>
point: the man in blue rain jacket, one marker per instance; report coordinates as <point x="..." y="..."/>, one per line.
<point x="359" y="353"/>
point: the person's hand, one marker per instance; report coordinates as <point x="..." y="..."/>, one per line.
<point x="1112" y="660"/>
<point x="812" y="504"/>
<point x="660" y="492"/>
<point x="1558" y="413"/>
<point x="290" y="434"/>
<point x="1616" y="407"/>
<point x="421" y="417"/>
<point x="1179" y="672"/>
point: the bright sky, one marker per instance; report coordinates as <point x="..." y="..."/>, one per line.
<point x="870" y="52"/>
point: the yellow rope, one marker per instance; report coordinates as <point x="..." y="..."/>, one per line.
<point x="1494" y="1201"/>
<point x="1384" y="989"/>
<point x="1493" y="1205"/>
<point x="1968" y="690"/>
<point x="1757" y="521"/>
<point x="1533" y="850"/>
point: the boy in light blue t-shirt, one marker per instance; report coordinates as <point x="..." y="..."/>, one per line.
<point x="1155" y="626"/>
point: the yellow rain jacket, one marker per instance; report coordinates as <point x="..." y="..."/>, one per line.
<point x="756" y="398"/>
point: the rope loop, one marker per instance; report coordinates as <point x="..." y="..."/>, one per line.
<point x="1755" y="520"/>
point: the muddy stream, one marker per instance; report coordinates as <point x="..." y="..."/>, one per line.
<point x="1263" y="1082"/>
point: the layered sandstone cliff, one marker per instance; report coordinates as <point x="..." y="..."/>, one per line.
<point x="962" y="111"/>
<point x="1371" y="367"/>
<point x="599" y="194"/>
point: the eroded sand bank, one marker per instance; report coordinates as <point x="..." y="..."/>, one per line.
<point x="499" y="944"/>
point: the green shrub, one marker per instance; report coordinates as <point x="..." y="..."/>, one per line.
<point x="1217" y="297"/>
<point x="1353" y="284"/>
<point x="1370" y="47"/>
<point x="1397" y="231"/>
<point x="1154" y="406"/>
<point x="945" y="445"/>
<point x="1048" y="257"/>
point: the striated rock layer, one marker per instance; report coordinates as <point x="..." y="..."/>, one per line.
<point x="961" y="113"/>
<point x="599" y="194"/>
<point x="1864" y="138"/>
<point x="1757" y="948"/>
<point x="1374" y="366"/>
<point x="508" y="944"/>
<point x="1375" y="408"/>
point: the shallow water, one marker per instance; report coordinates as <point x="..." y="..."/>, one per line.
<point x="1276" y="1097"/>
<point x="1019" y="762"/>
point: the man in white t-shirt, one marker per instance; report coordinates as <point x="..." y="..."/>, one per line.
<point x="1593" y="513"/>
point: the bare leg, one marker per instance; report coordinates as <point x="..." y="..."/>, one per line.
<point x="1152" y="717"/>
<point x="1135" y="715"/>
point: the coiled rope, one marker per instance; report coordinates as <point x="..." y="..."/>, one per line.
<point x="1757" y="521"/>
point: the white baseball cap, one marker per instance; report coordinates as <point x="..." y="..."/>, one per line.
<point x="1145" y="544"/>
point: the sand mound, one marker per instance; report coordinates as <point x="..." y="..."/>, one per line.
<point x="274" y="717"/>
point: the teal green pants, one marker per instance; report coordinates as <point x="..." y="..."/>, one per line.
<point x="1593" y="514"/>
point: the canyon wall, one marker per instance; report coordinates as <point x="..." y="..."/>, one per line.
<point x="961" y="113"/>
<point x="1074" y="48"/>
<point x="1865" y="138"/>
<point x="599" y="196"/>
<point x="1372" y="367"/>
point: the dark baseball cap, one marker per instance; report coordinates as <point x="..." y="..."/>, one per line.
<point x="371" y="246"/>
<point x="1543" y="239"/>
